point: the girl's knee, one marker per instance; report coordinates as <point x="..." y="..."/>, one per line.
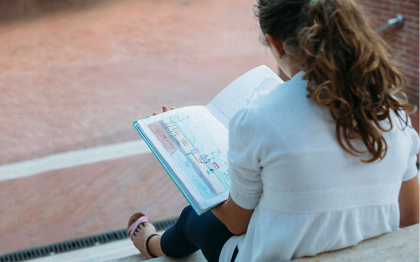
<point x="186" y="212"/>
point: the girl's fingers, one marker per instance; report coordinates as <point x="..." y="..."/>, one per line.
<point x="164" y="109"/>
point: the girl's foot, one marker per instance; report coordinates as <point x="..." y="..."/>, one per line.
<point x="140" y="234"/>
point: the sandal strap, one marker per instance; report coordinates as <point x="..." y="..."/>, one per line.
<point x="133" y="227"/>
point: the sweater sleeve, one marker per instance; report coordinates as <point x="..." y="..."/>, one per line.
<point x="414" y="150"/>
<point x="244" y="165"/>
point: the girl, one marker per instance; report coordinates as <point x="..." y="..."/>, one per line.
<point x="321" y="163"/>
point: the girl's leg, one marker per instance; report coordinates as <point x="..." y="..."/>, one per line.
<point x="192" y="232"/>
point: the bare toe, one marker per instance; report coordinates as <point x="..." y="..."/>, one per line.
<point x="133" y="218"/>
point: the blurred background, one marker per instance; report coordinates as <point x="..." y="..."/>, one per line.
<point x="75" y="74"/>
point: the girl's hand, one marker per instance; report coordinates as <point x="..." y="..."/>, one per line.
<point x="165" y="109"/>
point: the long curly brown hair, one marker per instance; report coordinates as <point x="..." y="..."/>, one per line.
<point x="349" y="67"/>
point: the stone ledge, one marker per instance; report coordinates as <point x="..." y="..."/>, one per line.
<point x="400" y="245"/>
<point x="196" y="257"/>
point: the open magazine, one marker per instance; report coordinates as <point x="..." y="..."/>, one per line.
<point x="191" y="142"/>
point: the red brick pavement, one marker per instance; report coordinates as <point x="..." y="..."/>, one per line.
<point x="77" y="79"/>
<point x="72" y="80"/>
<point x="85" y="200"/>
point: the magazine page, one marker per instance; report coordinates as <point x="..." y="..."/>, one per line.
<point x="242" y="92"/>
<point x="194" y="144"/>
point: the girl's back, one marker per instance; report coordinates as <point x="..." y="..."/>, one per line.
<point x="312" y="195"/>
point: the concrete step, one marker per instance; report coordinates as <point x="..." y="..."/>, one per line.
<point x="196" y="257"/>
<point x="400" y="245"/>
<point x="105" y="252"/>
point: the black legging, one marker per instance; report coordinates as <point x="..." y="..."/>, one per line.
<point x="192" y="232"/>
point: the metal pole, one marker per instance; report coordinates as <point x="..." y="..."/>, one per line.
<point x="396" y="22"/>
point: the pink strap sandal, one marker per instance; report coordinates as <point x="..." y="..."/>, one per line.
<point x="133" y="223"/>
<point x="133" y="227"/>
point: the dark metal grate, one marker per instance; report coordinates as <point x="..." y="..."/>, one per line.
<point x="79" y="243"/>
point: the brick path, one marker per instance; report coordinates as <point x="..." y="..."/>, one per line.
<point x="77" y="79"/>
